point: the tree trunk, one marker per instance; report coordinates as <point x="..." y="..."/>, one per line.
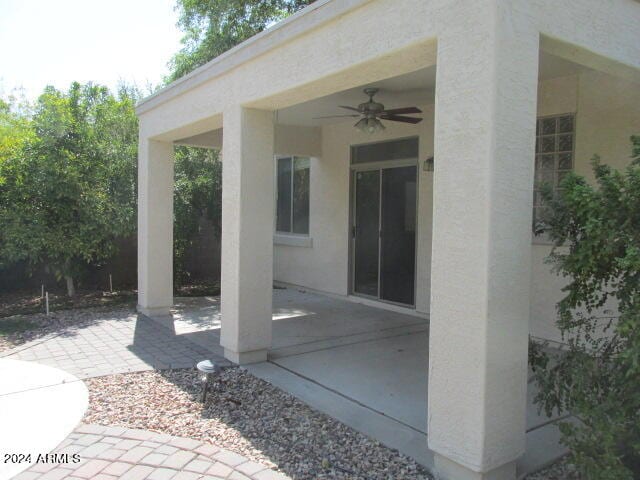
<point x="71" y="289"/>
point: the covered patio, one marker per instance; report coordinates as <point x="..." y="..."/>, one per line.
<point x="510" y="92"/>
<point x="360" y="364"/>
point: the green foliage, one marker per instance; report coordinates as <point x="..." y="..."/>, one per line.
<point x="596" y="235"/>
<point x="197" y="195"/>
<point x="214" y="26"/>
<point x="15" y="132"/>
<point x="67" y="165"/>
<point x="68" y="178"/>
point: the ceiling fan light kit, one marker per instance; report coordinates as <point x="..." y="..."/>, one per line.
<point x="370" y="125"/>
<point x="372" y="112"/>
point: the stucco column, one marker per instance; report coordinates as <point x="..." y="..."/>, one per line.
<point x="247" y="233"/>
<point x="486" y="89"/>
<point x="155" y="227"/>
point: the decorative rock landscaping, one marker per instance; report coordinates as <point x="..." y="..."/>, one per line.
<point x="248" y="416"/>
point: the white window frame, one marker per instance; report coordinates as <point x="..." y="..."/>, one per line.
<point x="290" y="237"/>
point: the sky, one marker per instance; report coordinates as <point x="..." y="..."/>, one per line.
<point x="56" y="42"/>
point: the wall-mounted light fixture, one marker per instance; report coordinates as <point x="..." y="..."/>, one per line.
<point x="428" y="165"/>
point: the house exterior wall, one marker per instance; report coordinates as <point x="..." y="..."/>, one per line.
<point x="325" y="265"/>
<point x="607" y="113"/>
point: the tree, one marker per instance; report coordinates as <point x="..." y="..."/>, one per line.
<point x="596" y="235"/>
<point x="67" y="190"/>
<point x="214" y="26"/>
<point x="197" y="194"/>
<point x="15" y="129"/>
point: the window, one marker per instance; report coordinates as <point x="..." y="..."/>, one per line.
<point x="384" y="151"/>
<point x="554" y="156"/>
<point x="292" y="205"/>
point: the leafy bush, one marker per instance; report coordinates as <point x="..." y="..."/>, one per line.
<point x="67" y="179"/>
<point x="197" y="194"/>
<point x="596" y="377"/>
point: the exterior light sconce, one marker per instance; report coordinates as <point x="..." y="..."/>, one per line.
<point x="428" y="165"/>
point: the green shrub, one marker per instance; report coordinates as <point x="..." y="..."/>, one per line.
<point x="596" y="377"/>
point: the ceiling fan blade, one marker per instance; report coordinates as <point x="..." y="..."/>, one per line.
<point x="399" y="111"/>
<point x="336" y="116"/>
<point x="396" y="118"/>
<point x="349" y="108"/>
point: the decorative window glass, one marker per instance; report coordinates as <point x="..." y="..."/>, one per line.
<point x="292" y="204"/>
<point x="554" y="156"/>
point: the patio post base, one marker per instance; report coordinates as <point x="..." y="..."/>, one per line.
<point x="245" y="358"/>
<point x="154" y="312"/>
<point x="449" y="470"/>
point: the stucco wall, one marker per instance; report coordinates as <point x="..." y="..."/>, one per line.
<point x="607" y="114"/>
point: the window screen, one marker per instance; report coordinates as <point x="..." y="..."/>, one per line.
<point x="292" y="205"/>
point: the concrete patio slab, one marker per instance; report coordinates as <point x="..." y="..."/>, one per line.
<point x="302" y="321"/>
<point x="388" y="375"/>
<point x="39" y="407"/>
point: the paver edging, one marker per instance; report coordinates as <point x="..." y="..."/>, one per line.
<point x="192" y="456"/>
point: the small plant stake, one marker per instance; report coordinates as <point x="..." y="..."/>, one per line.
<point x="110" y="284"/>
<point x="42" y="292"/>
<point x="46" y="301"/>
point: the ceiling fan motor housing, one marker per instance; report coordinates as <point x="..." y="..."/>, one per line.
<point x="371" y="107"/>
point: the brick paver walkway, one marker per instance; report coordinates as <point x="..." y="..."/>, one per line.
<point x="114" y="344"/>
<point x="108" y="453"/>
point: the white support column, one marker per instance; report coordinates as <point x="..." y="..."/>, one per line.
<point x="247" y="233"/>
<point x="486" y="90"/>
<point x="155" y="227"/>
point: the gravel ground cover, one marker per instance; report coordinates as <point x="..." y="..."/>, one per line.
<point x="27" y="302"/>
<point x="560" y="470"/>
<point x="249" y="416"/>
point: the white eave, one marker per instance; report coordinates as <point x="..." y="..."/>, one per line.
<point x="308" y="18"/>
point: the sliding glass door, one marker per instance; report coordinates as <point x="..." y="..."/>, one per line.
<point x="367" y="233"/>
<point x="384" y="233"/>
<point x="398" y="235"/>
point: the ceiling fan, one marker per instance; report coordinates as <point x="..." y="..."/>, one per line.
<point x="372" y="112"/>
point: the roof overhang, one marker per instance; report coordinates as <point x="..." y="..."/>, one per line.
<point x="332" y="46"/>
<point x="310" y="17"/>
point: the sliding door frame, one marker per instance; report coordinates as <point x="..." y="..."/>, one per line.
<point x="381" y="166"/>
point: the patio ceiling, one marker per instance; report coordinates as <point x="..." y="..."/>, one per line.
<point x="415" y="88"/>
